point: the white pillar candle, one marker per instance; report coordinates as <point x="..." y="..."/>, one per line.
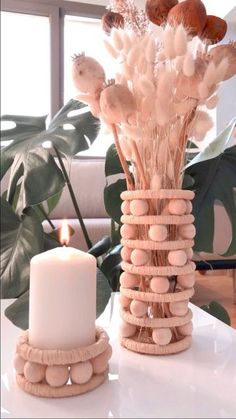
<point x="62" y="309"/>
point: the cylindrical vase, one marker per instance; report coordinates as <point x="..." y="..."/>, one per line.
<point x="158" y="274"/>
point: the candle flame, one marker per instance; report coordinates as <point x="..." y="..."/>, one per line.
<point x="65" y="233"/>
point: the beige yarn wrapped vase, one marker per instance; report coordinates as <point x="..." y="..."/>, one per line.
<point x="158" y="278"/>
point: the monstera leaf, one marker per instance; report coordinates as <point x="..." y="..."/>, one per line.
<point x="214" y="180"/>
<point x="18" y="312"/>
<point x="21" y="238"/>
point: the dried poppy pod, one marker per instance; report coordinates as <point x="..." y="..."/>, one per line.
<point x="192" y="15"/>
<point x="228" y="51"/>
<point x="214" y="30"/>
<point x="112" y="20"/>
<point x="117" y="103"/>
<point x="157" y="10"/>
<point x="88" y="75"/>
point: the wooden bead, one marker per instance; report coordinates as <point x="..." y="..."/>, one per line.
<point x="125" y="207"/>
<point x="128" y="231"/>
<point x="81" y="372"/>
<point x="177" y="206"/>
<point x="57" y="375"/>
<point x="127" y="330"/>
<point x="189" y="253"/>
<point x="159" y="284"/>
<point x="139" y="257"/>
<point x="162" y="336"/>
<point x="128" y="280"/>
<point x="124" y="301"/>
<point x="177" y="257"/>
<point x="186" y="281"/>
<point x="19" y="364"/>
<point x="186" y="329"/>
<point x="187" y="231"/>
<point x="139" y="207"/>
<point x="158" y="233"/>
<point x="189" y="207"/>
<point x="100" y="363"/>
<point x="138" y="308"/>
<point x="126" y="253"/>
<point x="33" y="372"/>
<point x="178" y="308"/>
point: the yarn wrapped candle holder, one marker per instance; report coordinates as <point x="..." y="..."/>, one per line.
<point x="62" y="373"/>
<point x="158" y="278"/>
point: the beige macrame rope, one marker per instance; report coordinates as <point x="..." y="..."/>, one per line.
<point x="153" y="297"/>
<point x="152" y="349"/>
<point x="158" y="219"/>
<point x="151" y="245"/>
<point x="158" y="270"/>
<point x="60" y="357"/>
<point x="159" y="194"/>
<point x="44" y="390"/>
<point x="156" y="322"/>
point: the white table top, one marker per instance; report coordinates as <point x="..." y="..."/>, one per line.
<point x="198" y="383"/>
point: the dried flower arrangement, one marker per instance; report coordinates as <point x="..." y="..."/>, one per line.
<point x="156" y="105"/>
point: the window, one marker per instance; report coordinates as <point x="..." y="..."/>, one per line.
<point x="25" y="65"/>
<point x="38" y="40"/>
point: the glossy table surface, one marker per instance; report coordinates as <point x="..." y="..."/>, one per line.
<point x="198" y="383"/>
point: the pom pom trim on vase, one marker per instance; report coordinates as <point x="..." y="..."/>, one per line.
<point x="161" y="328"/>
<point x="94" y="358"/>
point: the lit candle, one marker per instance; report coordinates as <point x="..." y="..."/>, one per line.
<point x="62" y="309"/>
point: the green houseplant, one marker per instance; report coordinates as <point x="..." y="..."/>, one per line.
<point x="35" y="185"/>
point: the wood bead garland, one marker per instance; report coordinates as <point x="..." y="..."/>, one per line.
<point x="128" y="231"/>
<point x="159" y="284"/>
<point x="57" y="375"/>
<point x="81" y="373"/>
<point x="46" y="373"/>
<point x="19" y="364"/>
<point x="33" y="372"/>
<point x="187" y="231"/>
<point x="161" y="336"/>
<point x="139" y="257"/>
<point x="158" y="273"/>
<point x="127" y="330"/>
<point x="138" y="308"/>
<point x="138" y="207"/>
<point x="186" y="281"/>
<point x="158" y="232"/>
<point x="178" y="308"/>
<point x="177" y="257"/>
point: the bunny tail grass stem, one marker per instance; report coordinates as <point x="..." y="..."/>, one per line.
<point x="125" y="167"/>
<point x="73" y="198"/>
<point x="139" y="165"/>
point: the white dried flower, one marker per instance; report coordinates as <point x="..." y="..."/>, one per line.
<point x="162" y="116"/>
<point x="127" y="43"/>
<point x="168" y="42"/>
<point x="117" y="39"/>
<point x="147" y="87"/>
<point x="150" y="51"/>
<point x="185" y="106"/>
<point x="133" y="55"/>
<point x="180" y="40"/>
<point x="110" y="49"/>
<point x="203" y="90"/>
<point x="131" y="131"/>
<point x="188" y="65"/>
